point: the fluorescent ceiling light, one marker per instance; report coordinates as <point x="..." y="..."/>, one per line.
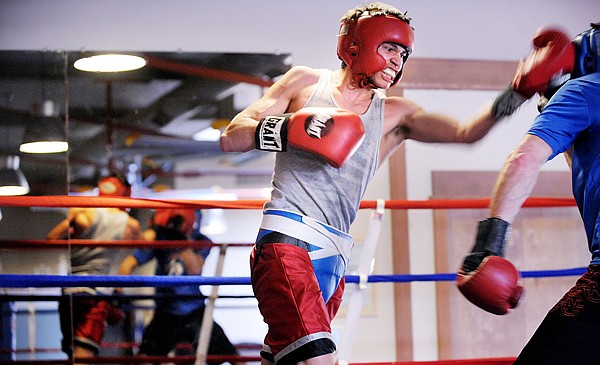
<point x="44" y="147"/>
<point x="44" y="135"/>
<point x="110" y="63"/>
<point x="12" y="180"/>
<point x="12" y="183"/>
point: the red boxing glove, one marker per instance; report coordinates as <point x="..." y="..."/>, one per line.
<point x="553" y="55"/>
<point x="332" y="133"/>
<point x="114" y="314"/>
<point x="493" y="287"/>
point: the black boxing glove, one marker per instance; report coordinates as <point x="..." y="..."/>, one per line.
<point x="492" y="234"/>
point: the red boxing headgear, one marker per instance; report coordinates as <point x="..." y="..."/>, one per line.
<point x="113" y="186"/>
<point x="359" y="38"/>
<point x="179" y="219"/>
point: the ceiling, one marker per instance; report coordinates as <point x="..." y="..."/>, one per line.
<point x="143" y="118"/>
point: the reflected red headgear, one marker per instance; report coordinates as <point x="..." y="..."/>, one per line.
<point x="114" y="186"/>
<point x="178" y="219"/>
<point x="360" y="37"/>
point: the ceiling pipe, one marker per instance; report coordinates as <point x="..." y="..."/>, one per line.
<point x="201" y="71"/>
<point x="76" y="119"/>
<point x="220" y="171"/>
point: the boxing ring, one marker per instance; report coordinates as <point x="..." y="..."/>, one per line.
<point x="359" y="280"/>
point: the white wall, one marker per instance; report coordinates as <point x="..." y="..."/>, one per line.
<point x="459" y="29"/>
<point x="483" y="29"/>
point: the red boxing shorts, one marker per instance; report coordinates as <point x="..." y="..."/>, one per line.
<point x="88" y="322"/>
<point x="291" y="297"/>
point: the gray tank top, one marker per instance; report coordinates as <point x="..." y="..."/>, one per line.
<point x="305" y="183"/>
<point x="89" y="260"/>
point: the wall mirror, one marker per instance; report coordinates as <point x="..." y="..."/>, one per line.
<point x="142" y="123"/>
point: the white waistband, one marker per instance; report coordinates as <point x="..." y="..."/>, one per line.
<point x="311" y="231"/>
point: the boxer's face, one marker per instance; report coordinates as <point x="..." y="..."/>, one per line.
<point x="393" y="54"/>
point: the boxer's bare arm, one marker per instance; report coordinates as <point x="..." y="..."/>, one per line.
<point x="286" y="95"/>
<point x="193" y="262"/>
<point x="518" y="177"/>
<point x="132" y="229"/>
<point x="77" y="221"/>
<point x="127" y="266"/>
<point x="552" y="54"/>
<point x="405" y="119"/>
<point x="438" y="128"/>
<point x="60" y="231"/>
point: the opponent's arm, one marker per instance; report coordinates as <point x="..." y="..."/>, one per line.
<point x="133" y="229"/>
<point x="192" y="261"/>
<point x="127" y="266"/>
<point x="518" y="177"/>
<point x="485" y="278"/>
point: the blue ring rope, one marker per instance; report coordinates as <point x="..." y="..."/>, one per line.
<point x="53" y="281"/>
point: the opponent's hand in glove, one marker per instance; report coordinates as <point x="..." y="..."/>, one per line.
<point x="552" y="57"/>
<point x="114" y="313"/>
<point x="485" y="278"/>
<point x="333" y="133"/>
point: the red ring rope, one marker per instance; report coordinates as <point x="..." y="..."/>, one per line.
<point x="123" y="202"/>
<point x="66" y="201"/>
<point x="23" y="244"/>
<point x="191" y="359"/>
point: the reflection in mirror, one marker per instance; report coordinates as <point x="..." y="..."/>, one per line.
<point x="32" y="87"/>
<point x="157" y="126"/>
<point x="32" y="100"/>
<point x="144" y="122"/>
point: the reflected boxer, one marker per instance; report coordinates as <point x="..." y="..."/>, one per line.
<point x="176" y="319"/>
<point x="83" y="318"/>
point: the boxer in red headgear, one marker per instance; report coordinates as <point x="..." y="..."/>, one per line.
<point x="360" y="37"/>
<point x="181" y="220"/>
<point x="83" y="319"/>
<point x="331" y="130"/>
<point x="115" y="185"/>
<point x="179" y="310"/>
